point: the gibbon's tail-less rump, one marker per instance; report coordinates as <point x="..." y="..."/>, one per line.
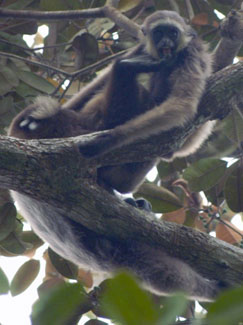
<point x="178" y="65"/>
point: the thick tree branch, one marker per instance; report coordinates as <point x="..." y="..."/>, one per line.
<point x="50" y="170"/>
<point x="46" y="169"/>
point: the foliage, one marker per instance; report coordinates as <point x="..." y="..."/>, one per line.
<point x="176" y="191"/>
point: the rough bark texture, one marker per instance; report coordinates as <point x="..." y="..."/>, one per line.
<point x="53" y="171"/>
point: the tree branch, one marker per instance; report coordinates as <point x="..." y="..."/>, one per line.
<point x="106" y="11"/>
<point x="231" y="30"/>
<point x="46" y="168"/>
<point x="52" y="171"/>
<point x="52" y="15"/>
<point x="75" y="74"/>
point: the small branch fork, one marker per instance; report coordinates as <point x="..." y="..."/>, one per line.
<point x="106" y="11"/>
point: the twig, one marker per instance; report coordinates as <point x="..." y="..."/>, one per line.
<point x="42" y="65"/>
<point x="75" y="74"/>
<point x="24" y="48"/>
<point x="97" y="65"/>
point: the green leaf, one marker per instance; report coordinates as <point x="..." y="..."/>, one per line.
<point x="25" y="90"/>
<point x="57" y="306"/>
<point x="222" y="6"/>
<point x="7" y="112"/>
<point x="167" y="168"/>
<point x="228" y="309"/>
<point x="234" y="189"/>
<point x="5" y="86"/>
<point x="125" y="302"/>
<point x="17" y="5"/>
<point x="204" y="174"/>
<point x="162" y="200"/>
<point x="35" y="81"/>
<point x="233" y="127"/>
<point x="126" y="5"/>
<point x="55" y="5"/>
<point x="4" y="284"/>
<point x="25" y="275"/>
<point x="173" y="307"/>
<point x="63" y="266"/>
<point x="30" y="237"/>
<point x="13" y="242"/>
<point x="7" y="219"/>
<point x="162" y="5"/>
<point x="9" y="75"/>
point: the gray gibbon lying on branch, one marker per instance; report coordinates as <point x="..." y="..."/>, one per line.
<point x="178" y="64"/>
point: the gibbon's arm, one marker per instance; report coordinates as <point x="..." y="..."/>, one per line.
<point x="78" y="101"/>
<point x="188" y="83"/>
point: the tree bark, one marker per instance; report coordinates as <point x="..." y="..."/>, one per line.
<point x="54" y="171"/>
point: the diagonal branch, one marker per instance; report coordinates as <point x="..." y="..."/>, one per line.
<point x="52" y="171"/>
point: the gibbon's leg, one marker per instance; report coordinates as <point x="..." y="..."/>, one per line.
<point x="78" y="101"/>
<point x="45" y="119"/>
<point x="159" y="272"/>
<point x="162" y="273"/>
<point x="124" y="178"/>
<point x="123" y="99"/>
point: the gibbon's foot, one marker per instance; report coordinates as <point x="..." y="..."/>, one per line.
<point x="29" y="124"/>
<point x="141" y="204"/>
<point x="139" y="64"/>
<point x="144" y="205"/>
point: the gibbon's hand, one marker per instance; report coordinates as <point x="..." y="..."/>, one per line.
<point x="98" y="146"/>
<point x="139" y="64"/>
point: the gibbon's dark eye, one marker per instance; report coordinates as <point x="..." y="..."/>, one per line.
<point x="174" y="33"/>
<point x="157" y="35"/>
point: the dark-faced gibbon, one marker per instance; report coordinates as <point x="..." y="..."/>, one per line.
<point x="178" y="65"/>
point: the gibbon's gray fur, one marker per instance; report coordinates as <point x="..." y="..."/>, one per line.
<point x="178" y="65"/>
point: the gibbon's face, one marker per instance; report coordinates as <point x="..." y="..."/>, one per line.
<point x="165" y="40"/>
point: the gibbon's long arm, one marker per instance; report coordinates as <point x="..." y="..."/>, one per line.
<point x="177" y="110"/>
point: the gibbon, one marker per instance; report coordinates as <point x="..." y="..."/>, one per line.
<point x="178" y="65"/>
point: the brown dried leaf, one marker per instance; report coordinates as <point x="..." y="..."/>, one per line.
<point x="227" y="234"/>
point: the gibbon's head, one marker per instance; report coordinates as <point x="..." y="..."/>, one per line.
<point x="166" y="33"/>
